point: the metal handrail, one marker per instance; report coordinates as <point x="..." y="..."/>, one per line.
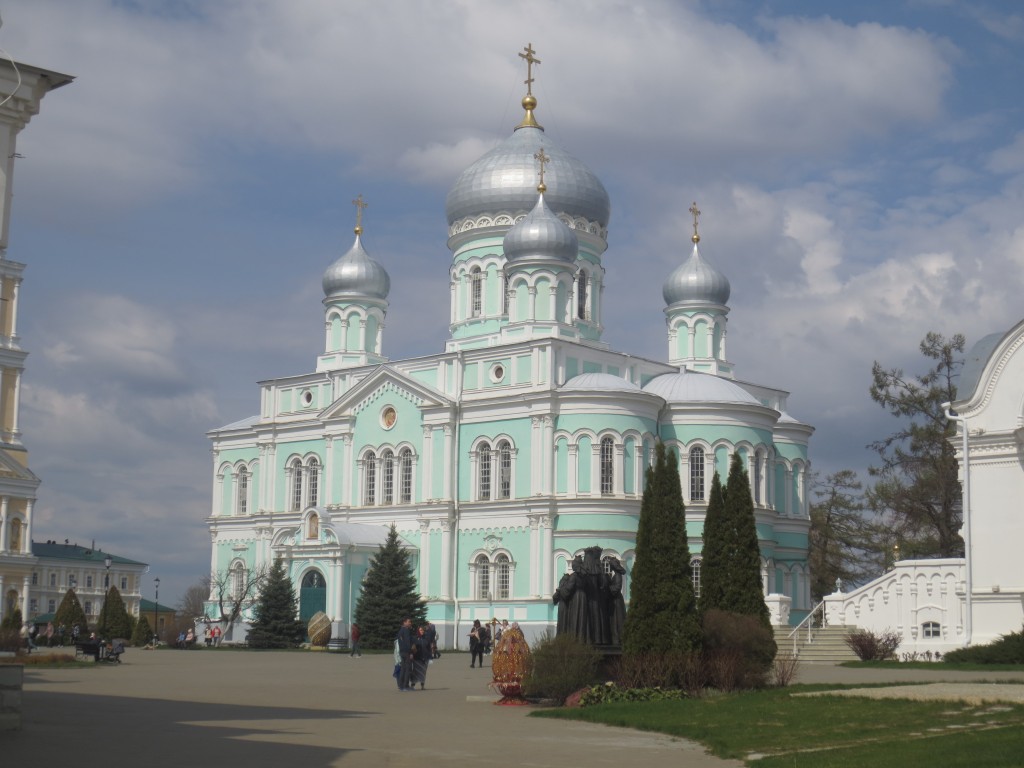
<point x="809" y="621"/>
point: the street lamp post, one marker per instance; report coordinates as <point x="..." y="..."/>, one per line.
<point x="108" y="561"/>
<point x="156" y="614"/>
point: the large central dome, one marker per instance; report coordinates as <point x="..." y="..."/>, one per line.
<point x="504" y="181"/>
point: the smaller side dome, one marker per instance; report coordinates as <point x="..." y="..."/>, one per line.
<point x="600" y="381"/>
<point x="541" y="236"/>
<point x="356" y="275"/>
<point x="694" y="387"/>
<point x="696" y="280"/>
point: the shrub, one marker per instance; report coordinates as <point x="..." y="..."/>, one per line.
<point x="674" y="669"/>
<point x="738" y="650"/>
<point x="10" y="640"/>
<point x="610" y="693"/>
<point x="1008" y="649"/>
<point x="143" y="633"/>
<point x="874" y="647"/>
<point x="12" y="620"/>
<point x="784" y="669"/>
<point x="561" y="664"/>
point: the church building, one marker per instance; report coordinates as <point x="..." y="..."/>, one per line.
<point x="525" y="440"/>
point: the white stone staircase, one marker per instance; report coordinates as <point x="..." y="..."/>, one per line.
<point x="827" y="644"/>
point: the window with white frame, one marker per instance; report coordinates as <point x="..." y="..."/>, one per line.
<point x="51" y="606"/>
<point x="35" y="578"/>
<point x="931" y="629"/>
<point x="88" y="607"/>
<point x="483" y="578"/>
<point x="312" y="482"/>
<point x="484" y="460"/>
<point x="758" y="473"/>
<point x="53" y="579"/>
<point x="242" y="497"/>
<point x="697" y="474"/>
<point x="297" y="484"/>
<point x="607" y="465"/>
<point x="581" y="295"/>
<point x="237" y="580"/>
<point x="504" y="470"/>
<point x="695" y="575"/>
<point x="405" y="472"/>
<point x="502" y="577"/>
<point x="124" y="583"/>
<point x="88" y="581"/>
<point x="370" y="479"/>
<point x="387" y="468"/>
<point x="476" y="289"/>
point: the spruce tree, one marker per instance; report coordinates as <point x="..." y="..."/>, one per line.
<point x="12" y="620"/>
<point x="731" y="566"/>
<point x="69" y="613"/>
<point x="114" y="620"/>
<point x="143" y="633"/>
<point x="389" y="595"/>
<point x="662" y="607"/>
<point x="276" y="625"/>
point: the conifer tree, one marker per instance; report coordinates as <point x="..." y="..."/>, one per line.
<point x="69" y="613"/>
<point x="114" y="620"/>
<point x="389" y="595"/>
<point x="143" y="633"/>
<point x="12" y="620"/>
<point x="662" y="607"/>
<point x="276" y="625"/>
<point x="731" y="565"/>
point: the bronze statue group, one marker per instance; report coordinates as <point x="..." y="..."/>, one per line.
<point x="589" y="600"/>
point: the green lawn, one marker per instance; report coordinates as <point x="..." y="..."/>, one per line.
<point x="791" y="730"/>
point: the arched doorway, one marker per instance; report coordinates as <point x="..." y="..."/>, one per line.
<point x="312" y="595"/>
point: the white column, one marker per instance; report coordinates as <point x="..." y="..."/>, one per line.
<point x="424" y="557"/>
<point x="329" y="470"/>
<point x="26" y="587"/>
<point x="595" y="467"/>
<point x="14" y="309"/>
<point x="453" y="298"/>
<point x="618" y="462"/>
<point x="533" y="302"/>
<point x="213" y="562"/>
<point x="536" y="459"/>
<point x="271" y="472"/>
<point x="446" y="559"/>
<point x="27" y="543"/>
<point x="535" y="555"/>
<point x="348" y="486"/>
<point x="572" y="481"/>
<point x="327" y="336"/>
<point x="547" y="553"/>
<point x="343" y="347"/>
<point x="547" y="436"/>
<point x="3" y="527"/>
<point x="446" y="481"/>
<point x="15" y="429"/>
<point x="427" y="479"/>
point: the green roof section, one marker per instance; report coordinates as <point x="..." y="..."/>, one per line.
<point x="52" y="549"/>
<point x="148" y="606"/>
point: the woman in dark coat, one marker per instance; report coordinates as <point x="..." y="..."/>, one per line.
<point x="476" y="644"/>
<point x="421" y="657"/>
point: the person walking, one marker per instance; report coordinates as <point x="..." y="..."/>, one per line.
<point x="476" y="644"/>
<point x="353" y="639"/>
<point x="431" y="633"/>
<point x="405" y="652"/>
<point x="421" y="658"/>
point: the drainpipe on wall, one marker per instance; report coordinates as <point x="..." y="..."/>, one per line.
<point x="966" y="506"/>
<point x="453" y="468"/>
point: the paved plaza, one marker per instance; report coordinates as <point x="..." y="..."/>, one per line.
<point x="200" y="708"/>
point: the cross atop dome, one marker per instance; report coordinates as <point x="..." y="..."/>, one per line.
<point x="360" y="205"/>
<point x="529" y="101"/>
<point x="542" y="159"/>
<point x="696" y="214"/>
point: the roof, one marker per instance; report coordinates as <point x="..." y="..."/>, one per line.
<point x="148" y="606"/>
<point x="55" y="551"/>
<point x="245" y="423"/>
<point x="974" y="365"/>
<point x="694" y="387"/>
<point x="600" y="381"/>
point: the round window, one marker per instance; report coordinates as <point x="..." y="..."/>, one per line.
<point x="388" y="417"/>
<point x="307" y="397"/>
<point x="497" y="373"/>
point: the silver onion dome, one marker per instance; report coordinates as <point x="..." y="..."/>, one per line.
<point x="696" y="280"/>
<point x="356" y="275"/>
<point x="540" y="236"/>
<point x="505" y="181"/>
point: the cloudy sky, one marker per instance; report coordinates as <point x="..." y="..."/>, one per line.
<point x="860" y="168"/>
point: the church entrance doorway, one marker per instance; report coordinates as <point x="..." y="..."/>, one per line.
<point x="312" y="595"/>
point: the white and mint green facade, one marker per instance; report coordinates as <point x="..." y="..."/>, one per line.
<point x="521" y="443"/>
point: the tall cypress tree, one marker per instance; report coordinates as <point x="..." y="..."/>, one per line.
<point x="389" y="595"/>
<point x="731" y="567"/>
<point x="276" y="625"/>
<point x="662" y="607"/>
<point x="114" y="621"/>
<point x="69" y="613"/>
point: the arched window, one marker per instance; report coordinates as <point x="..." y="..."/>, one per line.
<point x="237" y="580"/>
<point x="242" y="493"/>
<point x="502" y="577"/>
<point x="369" y="479"/>
<point x="695" y="575"/>
<point x="504" y="470"/>
<point x="484" y="460"/>
<point x="483" y="578"/>
<point x="607" y="465"/>
<point x="931" y="629"/>
<point x="581" y="296"/>
<point x="405" y="463"/>
<point x="313" y="483"/>
<point x="476" y="288"/>
<point x="388" y="471"/>
<point x="758" y="473"/>
<point x="697" y="474"/>
<point x="297" y="484"/>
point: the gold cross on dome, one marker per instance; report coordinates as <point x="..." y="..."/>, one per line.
<point x="542" y="158"/>
<point x="360" y="205"/>
<point x="530" y="61"/>
<point x="696" y="214"/>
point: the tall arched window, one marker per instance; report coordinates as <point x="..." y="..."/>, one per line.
<point x="504" y="470"/>
<point x="405" y="463"/>
<point x="483" y="578"/>
<point x="695" y="575"/>
<point x="388" y="471"/>
<point x="697" y="474"/>
<point x="476" y="289"/>
<point x="581" y="296"/>
<point x="242" y="495"/>
<point x="297" y="484"/>
<point x="484" y="460"/>
<point x="238" y="580"/>
<point x="502" y="577"/>
<point x="607" y="465"/>
<point x="312" y="483"/>
<point x="758" y="472"/>
<point x="369" y="479"/>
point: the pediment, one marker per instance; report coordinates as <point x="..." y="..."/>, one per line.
<point x="12" y="469"/>
<point x="383" y="382"/>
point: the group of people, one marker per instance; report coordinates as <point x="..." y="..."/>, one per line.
<point x="415" y="649"/>
<point x="482" y="640"/>
<point x="212" y="636"/>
